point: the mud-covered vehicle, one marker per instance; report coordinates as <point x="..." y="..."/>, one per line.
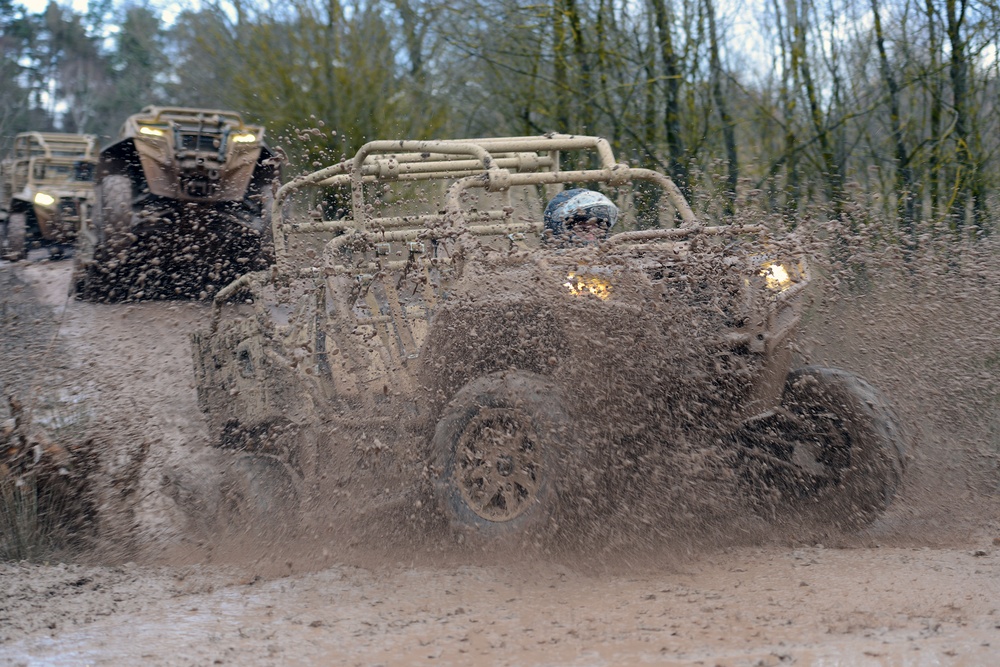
<point x="436" y="336"/>
<point x="183" y="206"/>
<point x="46" y="191"/>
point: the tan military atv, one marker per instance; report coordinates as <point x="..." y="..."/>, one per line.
<point x="431" y="332"/>
<point x="183" y="206"/>
<point x="46" y="191"/>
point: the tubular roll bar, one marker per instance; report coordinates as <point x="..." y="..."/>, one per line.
<point x="64" y="144"/>
<point x="157" y="113"/>
<point x="494" y="164"/>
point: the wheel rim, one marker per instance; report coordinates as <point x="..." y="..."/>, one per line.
<point x="822" y="446"/>
<point x="498" y="465"/>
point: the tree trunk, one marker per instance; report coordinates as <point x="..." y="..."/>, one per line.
<point x="959" y="70"/>
<point x="672" y="86"/>
<point x="560" y="68"/>
<point x="728" y="128"/>
<point x="833" y="177"/>
<point x="904" y="172"/>
<point x="584" y="92"/>
<point x="789" y="84"/>
<point x="933" y="165"/>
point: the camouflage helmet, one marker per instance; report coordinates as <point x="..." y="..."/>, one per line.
<point x="576" y="206"/>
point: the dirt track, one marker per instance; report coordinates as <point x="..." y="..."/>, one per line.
<point x="921" y="587"/>
<point x="750" y="606"/>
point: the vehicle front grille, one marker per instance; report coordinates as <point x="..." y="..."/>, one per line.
<point x="203" y="143"/>
<point x="69" y="208"/>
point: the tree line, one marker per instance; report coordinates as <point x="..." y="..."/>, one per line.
<point x="786" y="104"/>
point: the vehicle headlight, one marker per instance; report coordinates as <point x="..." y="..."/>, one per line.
<point x="151" y="131"/>
<point x="244" y="138"/>
<point x="580" y="285"/>
<point x="776" y="277"/>
<point x="43" y="199"/>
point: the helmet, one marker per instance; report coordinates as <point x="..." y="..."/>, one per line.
<point x="576" y="206"/>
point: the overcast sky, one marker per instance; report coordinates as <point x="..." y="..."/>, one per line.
<point x="168" y="9"/>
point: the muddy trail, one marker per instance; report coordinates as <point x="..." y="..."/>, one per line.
<point x="156" y="580"/>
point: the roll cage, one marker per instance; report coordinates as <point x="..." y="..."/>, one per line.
<point x="494" y="165"/>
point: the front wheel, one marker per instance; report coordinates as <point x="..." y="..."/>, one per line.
<point x="96" y="275"/>
<point x="113" y="211"/>
<point x="260" y="495"/>
<point x="497" y="450"/>
<point x="837" y="448"/>
<point x="15" y="236"/>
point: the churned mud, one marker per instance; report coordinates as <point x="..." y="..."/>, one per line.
<point x="750" y="606"/>
<point x="152" y="581"/>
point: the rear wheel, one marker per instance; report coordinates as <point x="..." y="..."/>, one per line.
<point x="497" y="447"/>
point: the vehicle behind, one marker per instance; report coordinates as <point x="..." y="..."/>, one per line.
<point x="46" y="191"/>
<point x="183" y="206"/>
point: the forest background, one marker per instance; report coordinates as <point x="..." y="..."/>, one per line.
<point x="790" y="105"/>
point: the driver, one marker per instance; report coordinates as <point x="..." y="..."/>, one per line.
<point x="579" y="217"/>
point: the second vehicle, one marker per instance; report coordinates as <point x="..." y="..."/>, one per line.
<point x="46" y="191"/>
<point x="183" y="207"/>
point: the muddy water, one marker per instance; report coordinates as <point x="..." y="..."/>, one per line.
<point x="920" y="587"/>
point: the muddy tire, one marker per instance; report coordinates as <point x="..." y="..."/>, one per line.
<point x="844" y="445"/>
<point x="94" y="272"/>
<point x="15" y="236"/>
<point x="113" y="211"/>
<point x="266" y="231"/>
<point x="259" y="495"/>
<point x="83" y="259"/>
<point x="497" y="448"/>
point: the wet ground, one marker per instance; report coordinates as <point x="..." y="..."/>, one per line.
<point x="750" y="606"/>
<point x="920" y="587"/>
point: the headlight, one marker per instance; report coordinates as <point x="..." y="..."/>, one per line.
<point x="151" y="131"/>
<point x="579" y="285"/>
<point x="244" y="138"/>
<point x="776" y="277"/>
<point x="43" y="199"/>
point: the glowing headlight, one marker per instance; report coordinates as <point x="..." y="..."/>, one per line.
<point x="776" y="277"/>
<point x="43" y="199"/>
<point x="151" y="131"/>
<point x="579" y="285"/>
<point x="247" y="138"/>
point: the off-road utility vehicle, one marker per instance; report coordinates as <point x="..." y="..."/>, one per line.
<point x="46" y="191"/>
<point x="183" y="205"/>
<point x="411" y="339"/>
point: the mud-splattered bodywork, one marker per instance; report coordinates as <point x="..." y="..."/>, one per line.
<point x="361" y="339"/>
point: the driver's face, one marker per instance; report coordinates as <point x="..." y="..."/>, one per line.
<point x="587" y="231"/>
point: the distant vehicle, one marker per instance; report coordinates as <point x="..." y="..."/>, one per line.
<point x="183" y="206"/>
<point x="459" y="348"/>
<point x="46" y="191"/>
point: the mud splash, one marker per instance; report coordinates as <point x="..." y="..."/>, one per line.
<point x="918" y="321"/>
